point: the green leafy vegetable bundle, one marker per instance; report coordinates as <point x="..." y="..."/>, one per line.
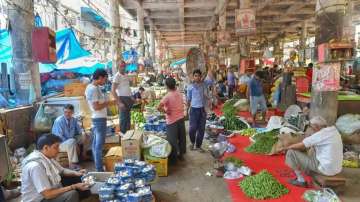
<point x="262" y="186"/>
<point x="248" y="132"/>
<point x="137" y="117"/>
<point x="237" y="162"/>
<point x="263" y="142"/>
<point x="153" y="103"/>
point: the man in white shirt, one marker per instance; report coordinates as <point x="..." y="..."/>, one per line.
<point x="44" y="180"/>
<point x="121" y="91"/>
<point x="327" y="158"/>
<point x="98" y="104"/>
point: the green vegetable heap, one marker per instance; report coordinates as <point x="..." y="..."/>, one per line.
<point x="237" y="162"/>
<point x="263" y="142"/>
<point x="248" y="132"/>
<point x="262" y="186"/>
<point x="137" y="118"/>
<point x="232" y="122"/>
<point x="153" y="103"/>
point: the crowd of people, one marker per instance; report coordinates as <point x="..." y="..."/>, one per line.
<point x="45" y="180"/>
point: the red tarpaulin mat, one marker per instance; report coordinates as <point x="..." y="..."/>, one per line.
<point x="273" y="164"/>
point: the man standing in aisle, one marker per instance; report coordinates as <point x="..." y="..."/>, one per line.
<point x="328" y="156"/>
<point x="72" y="135"/>
<point x="98" y="104"/>
<point x="231" y="82"/>
<point x="44" y="180"/>
<point x="256" y="96"/>
<point x="121" y="91"/>
<point x="197" y="100"/>
<point x="173" y="107"/>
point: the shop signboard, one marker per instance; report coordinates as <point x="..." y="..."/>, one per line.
<point x="223" y="38"/>
<point x="326" y="77"/>
<point x="245" y="22"/>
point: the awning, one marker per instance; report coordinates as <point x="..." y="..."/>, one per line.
<point x="91" y="15"/>
<point x="178" y="62"/>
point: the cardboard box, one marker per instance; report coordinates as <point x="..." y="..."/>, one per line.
<point x="131" y="144"/>
<point x="74" y="89"/>
<point x="114" y="155"/>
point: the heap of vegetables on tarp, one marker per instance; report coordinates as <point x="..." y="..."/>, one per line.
<point x="232" y="121"/>
<point x="262" y="186"/>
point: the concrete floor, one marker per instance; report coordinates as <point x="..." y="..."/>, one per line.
<point x="187" y="182"/>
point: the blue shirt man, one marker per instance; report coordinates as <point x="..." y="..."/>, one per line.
<point x="257" y="98"/>
<point x="255" y="87"/>
<point x="196" y="95"/>
<point x="197" y="98"/>
<point x="68" y="129"/>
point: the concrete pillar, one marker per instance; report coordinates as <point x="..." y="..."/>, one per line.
<point x="141" y="30"/>
<point x="303" y="38"/>
<point x="115" y="34"/>
<point x="325" y="103"/>
<point x="27" y="76"/>
<point x="244" y="47"/>
<point x="152" y="44"/>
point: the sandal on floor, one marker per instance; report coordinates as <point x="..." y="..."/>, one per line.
<point x="297" y="183"/>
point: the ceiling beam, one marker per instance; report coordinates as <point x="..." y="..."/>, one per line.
<point x="220" y="8"/>
<point x="172" y="5"/>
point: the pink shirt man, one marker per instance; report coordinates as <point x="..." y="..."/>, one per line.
<point x="174" y="106"/>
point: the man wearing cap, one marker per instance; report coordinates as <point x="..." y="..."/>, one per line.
<point x="328" y="156"/>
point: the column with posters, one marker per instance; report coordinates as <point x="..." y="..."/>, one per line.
<point x="245" y="23"/>
<point x="326" y="77"/>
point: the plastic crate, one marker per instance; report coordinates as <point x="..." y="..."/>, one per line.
<point x="161" y="164"/>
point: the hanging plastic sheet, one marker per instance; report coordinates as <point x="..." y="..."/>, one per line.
<point x="94" y="17"/>
<point x="178" y="62"/>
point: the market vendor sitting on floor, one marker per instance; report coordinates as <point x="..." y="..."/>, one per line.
<point x="328" y="156"/>
<point x="72" y="136"/>
<point x="44" y="180"/>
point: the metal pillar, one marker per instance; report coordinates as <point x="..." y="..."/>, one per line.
<point x="325" y="103"/>
<point x="141" y="30"/>
<point x="27" y="76"/>
<point x="116" y="35"/>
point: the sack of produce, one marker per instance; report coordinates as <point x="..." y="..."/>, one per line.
<point x="347" y="124"/>
<point x="242" y="105"/>
<point x="284" y="141"/>
<point x="354" y="138"/>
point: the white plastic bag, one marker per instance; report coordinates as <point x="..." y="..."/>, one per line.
<point x="275" y="122"/>
<point x="162" y="150"/>
<point x="348" y="123"/>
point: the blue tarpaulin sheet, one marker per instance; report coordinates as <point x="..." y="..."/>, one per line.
<point x="71" y="56"/>
<point x="92" y="16"/>
<point x="178" y="62"/>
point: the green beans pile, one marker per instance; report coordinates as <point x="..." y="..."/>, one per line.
<point x="231" y="159"/>
<point x="262" y="186"/>
<point x="263" y="143"/>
